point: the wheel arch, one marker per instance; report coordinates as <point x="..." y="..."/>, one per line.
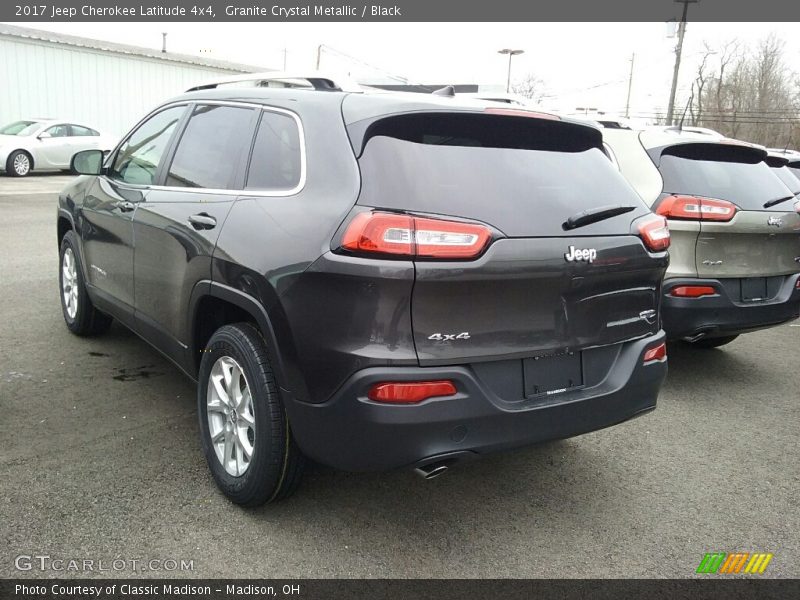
<point x="213" y="305"/>
<point x="64" y="224"/>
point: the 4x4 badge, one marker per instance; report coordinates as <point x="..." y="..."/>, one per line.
<point x="776" y="221"/>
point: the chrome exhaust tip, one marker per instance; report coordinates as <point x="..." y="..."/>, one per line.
<point x="431" y="471"/>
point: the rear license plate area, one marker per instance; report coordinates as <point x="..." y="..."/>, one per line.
<point x="754" y="289"/>
<point x="552" y="374"/>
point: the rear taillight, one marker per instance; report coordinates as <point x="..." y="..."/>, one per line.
<point x="656" y="353"/>
<point x="696" y="209"/>
<point x="410" y="392"/>
<point x="692" y="291"/>
<point x="403" y="235"/>
<point x="655" y="233"/>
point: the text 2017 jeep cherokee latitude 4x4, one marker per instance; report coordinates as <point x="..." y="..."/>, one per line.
<point x="370" y="280"/>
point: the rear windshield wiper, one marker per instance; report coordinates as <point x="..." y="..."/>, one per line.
<point x="593" y="215"/>
<point x="777" y="201"/>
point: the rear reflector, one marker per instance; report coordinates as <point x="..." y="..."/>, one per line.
<point x="692" y="291"/>
<point x="403" y="235"/>
<point x="517" y="112"/>
<point x="655" y="233"/>
<point x="696" y="209"/>
<point x="410" y="392"/>
<point x="656" y="353"/>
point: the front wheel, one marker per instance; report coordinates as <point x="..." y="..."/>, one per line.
<point x="80" y="315"/>
<point x="714" y="342"/>
<point x="18" y="164"/>
<point x="244" y="429"/>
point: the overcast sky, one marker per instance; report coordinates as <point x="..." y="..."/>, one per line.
<point x="582" y="64"/>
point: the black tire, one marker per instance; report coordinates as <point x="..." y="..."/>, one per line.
<point x="714" y="342"/>
<point x="87" y="320"/>
<point x="276" y="465"/>
<point x="11" y="170"/>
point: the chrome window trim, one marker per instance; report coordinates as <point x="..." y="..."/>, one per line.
<point x="239" y="192"/>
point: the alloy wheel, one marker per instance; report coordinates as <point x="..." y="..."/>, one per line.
<point x="22" y="164"/>
<point x="69" y="283"/>
<point x="231" y="417"/>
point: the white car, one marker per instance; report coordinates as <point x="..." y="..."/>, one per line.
<point x="46" y="144"/>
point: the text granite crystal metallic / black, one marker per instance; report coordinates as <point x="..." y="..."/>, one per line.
<point x="373" y="281"/>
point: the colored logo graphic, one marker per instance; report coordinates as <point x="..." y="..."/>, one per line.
<point x="736" y="562"/>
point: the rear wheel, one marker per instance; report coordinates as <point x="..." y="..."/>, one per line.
<point x="714" y="342"/>
<point x="19" y="164"/>
<point x="244" y="428"/>
<point x="80" y="315"/>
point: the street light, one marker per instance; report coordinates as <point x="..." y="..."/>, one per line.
<point x="510" y="53"/>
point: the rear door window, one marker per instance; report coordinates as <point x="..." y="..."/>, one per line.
<point x="727" y="172"/>
<point x="80" y="131"/>
<point x="210" y="151"/>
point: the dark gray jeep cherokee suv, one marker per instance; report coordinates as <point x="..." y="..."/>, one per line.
<point x="370" y="280"/>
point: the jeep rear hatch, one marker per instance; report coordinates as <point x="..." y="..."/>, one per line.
<point x="748" y="224"/>
<point x="564" y="267"/>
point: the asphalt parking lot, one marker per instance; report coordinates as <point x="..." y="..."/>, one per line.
<point x="101" y="460"/>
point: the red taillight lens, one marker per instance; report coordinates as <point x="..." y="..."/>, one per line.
<point x="655" y="233"/>
<point x="387" y="233"/>
<point x="697" y="209"/>
<point x="656" y="353"/>
<point x="409" y="392"/>
<point x="692" y="291"/>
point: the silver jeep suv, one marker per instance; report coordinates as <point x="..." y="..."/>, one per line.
<point x="735" y="253"/>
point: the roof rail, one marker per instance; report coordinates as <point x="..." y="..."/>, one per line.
<point x="318" y="81"/>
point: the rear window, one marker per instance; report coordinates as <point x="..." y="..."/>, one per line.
<point x="525" y="176"/>
<point x="728" y="172"/>
<point x="788" y="178"/>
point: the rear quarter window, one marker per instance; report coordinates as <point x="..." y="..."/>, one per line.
<point x="276" y="163"/>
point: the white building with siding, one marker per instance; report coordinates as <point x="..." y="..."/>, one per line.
<point x="108" y="85"/>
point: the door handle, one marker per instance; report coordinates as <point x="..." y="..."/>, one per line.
<point x="203" y="221"/>
<point x="125" y="206"/>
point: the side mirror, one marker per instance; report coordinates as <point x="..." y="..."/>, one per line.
<point x="87" y="162"/>
<point x="44" y="135"/>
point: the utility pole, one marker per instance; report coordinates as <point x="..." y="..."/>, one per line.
<point x="678" y="50"/>
<point x="319" y="55"/>
<point x="630" y="85"/>
<point x="510" y="53"/>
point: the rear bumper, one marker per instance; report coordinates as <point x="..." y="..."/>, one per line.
<point x="722" y="314"/>
<point x="350" y="432"/>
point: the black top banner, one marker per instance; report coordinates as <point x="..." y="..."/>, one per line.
<point x="397" y="10"/>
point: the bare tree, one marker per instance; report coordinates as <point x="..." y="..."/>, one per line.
<point x="748" y="93"/>
<point x="530" y="87"/>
